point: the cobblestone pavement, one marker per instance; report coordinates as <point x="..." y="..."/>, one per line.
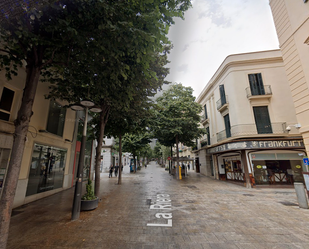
<point x="206" y="214"/>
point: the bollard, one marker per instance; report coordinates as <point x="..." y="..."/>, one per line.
<point x="301" y="195"/>
<point x="180" y="177"/>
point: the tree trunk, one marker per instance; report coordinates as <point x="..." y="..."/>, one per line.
<point x="20" y="136"/>
<point x="120" y="160"/>
<point x="177" y="158"/>
<point x="103" y="120"/>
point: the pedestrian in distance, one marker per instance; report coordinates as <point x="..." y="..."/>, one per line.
<point x="116" y="170"/>
<point x="188" y="166"/>
<point x="111" y="168"/>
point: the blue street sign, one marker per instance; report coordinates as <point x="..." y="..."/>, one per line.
<point x="306" y="161"/>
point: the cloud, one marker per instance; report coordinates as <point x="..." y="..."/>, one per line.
<point x="182" y="68"/>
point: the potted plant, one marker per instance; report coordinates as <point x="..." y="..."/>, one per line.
<point x="89" y="200"/>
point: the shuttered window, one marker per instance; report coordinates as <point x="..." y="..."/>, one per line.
<point x="208" y="135"/>
<point x="227" y="125"/>
<point x="222" y="95"/>
<point x="205" y="111"/>
<point x="256" y="84"/>
<point x="262" y="120"/>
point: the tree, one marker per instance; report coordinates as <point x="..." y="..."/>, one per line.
<point x="43" y="36"/>
<point x="49" y="35"/>
<point x="178" y="118"/>
<point x="134" y="143"/>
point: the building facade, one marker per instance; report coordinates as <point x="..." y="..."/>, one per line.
<point x="291" y="20"/>
<point x="250" y="123"/>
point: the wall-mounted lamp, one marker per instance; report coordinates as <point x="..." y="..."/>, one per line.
<point x="297" y="126"/>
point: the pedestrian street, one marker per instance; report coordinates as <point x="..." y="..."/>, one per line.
<point x="151" y="209"/>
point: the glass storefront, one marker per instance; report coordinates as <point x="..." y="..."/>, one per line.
<point x="277" y="168"/>
<point x="46" y="169"/>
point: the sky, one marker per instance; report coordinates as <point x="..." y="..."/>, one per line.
<point x="214" y="29"/>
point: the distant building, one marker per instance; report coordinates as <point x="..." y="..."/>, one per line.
<point x="247" y="107"/>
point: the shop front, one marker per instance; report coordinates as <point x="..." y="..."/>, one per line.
<point x="46" y="169"/>
<point x="261" y="162"/>
<point x="278" y="167"/>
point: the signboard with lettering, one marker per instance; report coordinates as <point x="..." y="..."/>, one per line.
<point x="247" y="145"/>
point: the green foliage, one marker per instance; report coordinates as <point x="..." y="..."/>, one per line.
<point x="89" y="195"/>
<point x="178" y="116"/>
<point x="134" y="143"/>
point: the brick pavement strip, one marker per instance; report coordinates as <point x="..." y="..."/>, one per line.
<point x="206" y="214"/>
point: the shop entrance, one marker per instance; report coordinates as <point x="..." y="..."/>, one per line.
<point x="277" y="172"/>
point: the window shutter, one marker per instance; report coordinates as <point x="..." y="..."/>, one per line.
<point x="260" y="84"/>
<point x="222" y="94"/>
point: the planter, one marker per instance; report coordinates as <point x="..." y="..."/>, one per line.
<point x="87" y="205"/>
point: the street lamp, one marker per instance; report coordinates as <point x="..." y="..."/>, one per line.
<point x="86" y="105"/>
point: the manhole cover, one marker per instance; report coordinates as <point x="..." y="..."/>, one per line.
<point x="248" y="194"/>
<point x="287" y="203"/>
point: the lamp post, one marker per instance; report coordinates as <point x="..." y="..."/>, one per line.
<point x="86" y="105"/>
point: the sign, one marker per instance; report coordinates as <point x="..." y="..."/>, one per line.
<point x="169" y="158"/>
<point x="278" y="144"/>
<point x="306" y="161"/>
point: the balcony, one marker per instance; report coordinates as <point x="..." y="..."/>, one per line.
<point x="204" y="120"/>
<point x="250" y="129"/>
<point x="222" y="104"/>
<point x="264" y="93"/>
<point x="204" y="143"/>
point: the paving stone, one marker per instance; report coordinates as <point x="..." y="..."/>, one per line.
<point x="206" y="214"/>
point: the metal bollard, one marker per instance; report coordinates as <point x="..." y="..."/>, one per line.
<point x="301" y="195"/>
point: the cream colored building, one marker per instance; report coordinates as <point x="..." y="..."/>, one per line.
<point x="247" y="107"/>
<point x="291" y="19"/>
<point x="49" y="157"/>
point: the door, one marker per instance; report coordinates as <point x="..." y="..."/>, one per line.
<point x="256" y="84"/>
<point x="222" y="95"/>
<point x="227" y="125"/>
<point x="262" y="120"/>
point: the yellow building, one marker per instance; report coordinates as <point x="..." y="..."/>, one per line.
<point x="48" y="157"/>
<point x="250" y="122"/>
<point x="291" y="19"/>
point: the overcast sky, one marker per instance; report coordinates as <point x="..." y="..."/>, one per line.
<point x="214" y="29"/>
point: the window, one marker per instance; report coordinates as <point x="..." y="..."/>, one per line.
<point x="205" y="111"/>
<point x="56" y="118"/>
<point x="256" y="84"/>
<point x="208" y="135"/>
<point x="262" y="120"/>
<point x="46" y="169"/>
<point x="227" y="125"/>
<point x="222" y="95"/>
<point x="6" y="103"/>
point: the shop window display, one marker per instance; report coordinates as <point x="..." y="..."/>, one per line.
<point x="46" y="169"/>
<point x="277" y="171"/>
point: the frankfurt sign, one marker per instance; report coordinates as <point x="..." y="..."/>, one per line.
<point x="284" y="144"/>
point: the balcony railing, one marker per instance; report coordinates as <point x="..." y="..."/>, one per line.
<point x="262" y="92"/>
<point x="222" y="102"/>
<point x="250" y="129"/>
